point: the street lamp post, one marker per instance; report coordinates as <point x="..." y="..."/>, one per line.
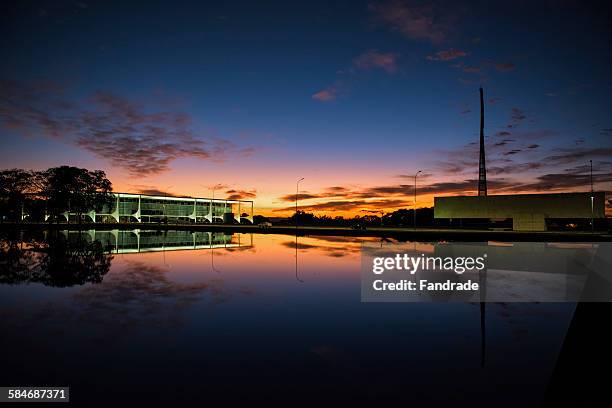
<point x="415" y="196"/>
<point x="212" y="203"/>
<point x="297" y="192"/>
<point x="165" y="199"/>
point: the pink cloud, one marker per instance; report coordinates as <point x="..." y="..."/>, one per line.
<point x="447" y="55"/>
<point x="416" y="21"/>
<point x="374" y="59"/>
<point x="326" y="95"/>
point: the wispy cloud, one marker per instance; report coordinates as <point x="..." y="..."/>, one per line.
<point x="368" y="60"/>
<point x="374" y="59"/>
<point x="111" y="127"/>
<point x="504" y="66"/>
<point x="234" y="194"/>
<point x="325" y="95"/>
<point x="149" y="190"/>
<point x="447" y="55"/>
<point x="417" y="21"/>
<point x="517" y="116"/>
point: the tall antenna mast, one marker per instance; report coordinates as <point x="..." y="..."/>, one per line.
<point x="482" y="168"/>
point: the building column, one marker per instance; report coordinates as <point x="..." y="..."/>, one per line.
<point x="194" y="215"/>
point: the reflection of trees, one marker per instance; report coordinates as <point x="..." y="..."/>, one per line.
<point x="55" y="261"/>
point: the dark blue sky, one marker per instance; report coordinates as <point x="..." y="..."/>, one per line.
<point x="345" y="93"/>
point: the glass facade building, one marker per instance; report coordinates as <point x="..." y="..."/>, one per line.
<point x="164" y="209"/>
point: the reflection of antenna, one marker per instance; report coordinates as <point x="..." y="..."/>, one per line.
<point x="482" y="277"/>
<point x="296" y="261"/>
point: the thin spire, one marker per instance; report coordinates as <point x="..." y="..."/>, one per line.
<point x="482" y="168"/>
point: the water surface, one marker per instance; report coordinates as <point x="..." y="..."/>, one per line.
<point x="179" y="317"/>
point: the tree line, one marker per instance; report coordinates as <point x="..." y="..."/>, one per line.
<point x="398" y="218"/>
<point x="39" y="195"/>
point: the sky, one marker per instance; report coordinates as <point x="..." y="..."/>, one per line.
<point x="245" y="98"/>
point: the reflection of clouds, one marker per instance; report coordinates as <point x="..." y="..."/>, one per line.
<point x="336" y="251"/>
<point x="140" y="295"/>
<point x="144" y="290"/>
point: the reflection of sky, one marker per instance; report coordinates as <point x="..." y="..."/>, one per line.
<point x="170" y="319"/>
<point x="350" y="94"/>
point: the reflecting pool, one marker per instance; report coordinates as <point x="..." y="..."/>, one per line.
<point x="173" y="316"/>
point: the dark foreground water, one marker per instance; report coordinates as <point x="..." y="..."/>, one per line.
<point x="251" y="317"/>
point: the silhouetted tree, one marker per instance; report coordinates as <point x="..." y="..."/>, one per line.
<point x="303" y="218"/>
<point x="76" y="190"/>
<point x="17" y="189"/>
<point x="259" y="219"/>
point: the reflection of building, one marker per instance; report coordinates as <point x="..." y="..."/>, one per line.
<point x="155" y="209"/>
<point x="529" y="212"/>
<point x="132" y="241"/>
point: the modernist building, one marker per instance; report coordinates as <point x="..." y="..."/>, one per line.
<point x="529" y="212"/>
<point x="160" y="209"/>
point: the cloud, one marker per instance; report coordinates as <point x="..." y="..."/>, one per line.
<point x="570" y="155"/>
<point x="349" y="205"/>
<point x="368" y="60"/>
<point x="415" y="21"/>
<point x="240" y="194"/>
<point x="504" y="66"/>
<point x="150" y="190"/>
<point x="471" y="70"/>
<point x="302" y="196"/>
<point x="503" y="133"/>
<point x="517" y="116"/>
<point x="374" y="59"/>
<point x="326" y="95"/>
<point x="447" y="55"/>
<point x="468" y="69"/>
<point x="513" y="168"/>
<point x="463" y="162"/>
<point x="125" y="133"/>
<point x="563" y="181"/>
<point x="383" y="197"/>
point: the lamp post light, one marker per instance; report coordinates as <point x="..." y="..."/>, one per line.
<point x="297" y="192"/>
<point x="415" y="197"/>
<point x="165" y="199"/>
<point x="212" y="203"/>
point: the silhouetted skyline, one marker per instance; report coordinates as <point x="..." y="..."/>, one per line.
<point x="354" y="96"/>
